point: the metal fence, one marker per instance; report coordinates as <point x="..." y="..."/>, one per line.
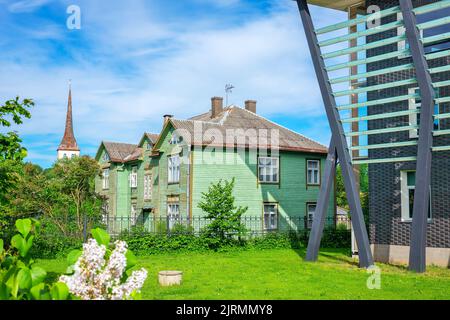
<point x="176" y="224"/>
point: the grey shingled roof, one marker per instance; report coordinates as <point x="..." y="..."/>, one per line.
<point x="234" y="117"/>
<point x="122" y="152"/>
<point x="153" y="137"/>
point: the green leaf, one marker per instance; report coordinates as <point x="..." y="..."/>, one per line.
<point x="18" y="242"/>
<point x="36" y="291"/>
<point x="38" y="275"/>
<point x="13" y="285"/>
<point x="24" y="278"/>
<point x="131" y="259"/>
<point x="59" y="291"/>
<point x="1" y="246"/>
<point x="4" y="292"/>
<point x="28" y="246"/>
<point x="101" y="236"/>
<point x="24" y="226"/>
<point x="73" y="257"/>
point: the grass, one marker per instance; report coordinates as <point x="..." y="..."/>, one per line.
<point x="279" y="274"/>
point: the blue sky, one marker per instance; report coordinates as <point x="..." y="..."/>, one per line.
<point x="134" y="61"/>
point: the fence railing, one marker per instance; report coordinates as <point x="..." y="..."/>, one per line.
<point x="176" y="224"/>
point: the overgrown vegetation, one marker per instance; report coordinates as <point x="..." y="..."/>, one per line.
<point x="100" y="271"/>
<point x="61" y="197"/>
<point x="144" y="244"/>
<point x="20" y="278"/>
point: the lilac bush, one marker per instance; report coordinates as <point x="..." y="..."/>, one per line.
<point x="102" y="274"/>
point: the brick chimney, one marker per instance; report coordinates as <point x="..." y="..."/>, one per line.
<point x="250" y="105"/>
<point x="216" y="106"/>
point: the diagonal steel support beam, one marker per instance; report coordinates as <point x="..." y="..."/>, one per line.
<point x="417" y="254"/>
<point x="365" y="255"/>
<point x="322" y="204"/>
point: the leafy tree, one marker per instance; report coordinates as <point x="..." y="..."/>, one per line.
<point x="75" y="178"/>
<point x="13" y="110"/>
<point x="341" y="196"/>
<point x="218" y="203"/>
<point x="11" y="153"/>
<point x="61" y="196"/>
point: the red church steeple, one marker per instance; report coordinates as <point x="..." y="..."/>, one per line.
<point x="68" y="145"/>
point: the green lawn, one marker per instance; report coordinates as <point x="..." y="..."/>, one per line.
<point x="280" y="274"/>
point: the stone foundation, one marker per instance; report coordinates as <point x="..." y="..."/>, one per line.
<point x="400" y="255"/>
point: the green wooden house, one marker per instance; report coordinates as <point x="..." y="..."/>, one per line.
<point x="159" y="182"/>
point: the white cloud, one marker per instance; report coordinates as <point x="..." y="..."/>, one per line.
<point x="26" y="5"/>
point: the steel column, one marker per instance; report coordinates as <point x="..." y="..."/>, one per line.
<point x="322" y="204"/>
<point x="365" y="255"/>
<point x="417" y="255"/>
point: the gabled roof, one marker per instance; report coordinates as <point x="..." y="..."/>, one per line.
<point x="122" y="152"/>
<point x="153" y="137"/>
<point x="125" y="152"/>
<point x="235" y="118"/>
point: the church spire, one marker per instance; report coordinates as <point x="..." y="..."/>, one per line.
<point x="68" y="145"/>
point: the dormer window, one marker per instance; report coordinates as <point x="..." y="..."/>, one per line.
<point x="176" y="139"/>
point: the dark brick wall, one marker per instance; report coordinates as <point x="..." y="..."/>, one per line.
<point x="384" y="179"/>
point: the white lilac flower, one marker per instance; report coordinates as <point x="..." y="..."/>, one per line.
<point x="94" y="278"/>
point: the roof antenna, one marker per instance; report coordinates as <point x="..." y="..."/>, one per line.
<point x="228" y="89"/>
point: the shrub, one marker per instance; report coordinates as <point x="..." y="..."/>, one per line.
<point x="149" y="243"/>
<point x="20" y="279"/>
<point x="101" y="272"/>
<point x="336" y="238"/>
<point x="225" y="217"/>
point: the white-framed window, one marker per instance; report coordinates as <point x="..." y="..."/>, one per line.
<point x="147" y="186"/>
<point x="313" y="172"/>
<point x="173" y="169"/>
<point x="269" y="169"/>
<point x="133" y="214"/>
<point x="133" y="177"/>
<point x="270" y="216"/>
<point x="105" y="157"/>
<point x="105" y="179"/>
<point x="408" y="187"/>
<point x="311" y="209"/>
<point x="414" y="119"/>
<point x="173" y="214"/>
